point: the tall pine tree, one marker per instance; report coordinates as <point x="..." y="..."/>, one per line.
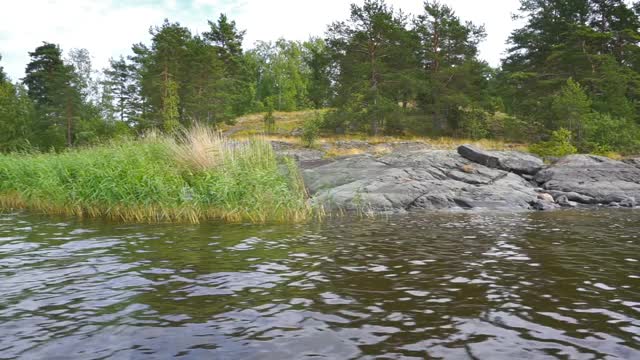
<point x="50" y="85"/>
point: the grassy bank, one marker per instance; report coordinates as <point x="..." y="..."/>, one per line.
<point x="199" y="176"/>
<point x="287" y="123"/>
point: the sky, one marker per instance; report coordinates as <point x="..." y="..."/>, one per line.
<point x="108" y="28"/>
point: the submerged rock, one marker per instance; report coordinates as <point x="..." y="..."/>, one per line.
<point x="564" y="201"/>
<point x="572" y="196"/>
<point x="592" y="179"/>
<point x="514" y="161"/>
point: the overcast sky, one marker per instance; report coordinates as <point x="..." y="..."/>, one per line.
<point x="108" y="28"/>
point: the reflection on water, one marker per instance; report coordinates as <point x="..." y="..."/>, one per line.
<point x="453" y="286"/>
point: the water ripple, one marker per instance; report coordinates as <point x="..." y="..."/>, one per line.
<point x="476" y="286"/>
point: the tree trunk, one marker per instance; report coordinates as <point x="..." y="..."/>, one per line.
<point x="69" y="121"/>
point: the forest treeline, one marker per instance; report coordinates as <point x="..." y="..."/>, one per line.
<point x="571" y="75"/>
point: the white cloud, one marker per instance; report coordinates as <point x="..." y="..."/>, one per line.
<point x="109" y="28"/>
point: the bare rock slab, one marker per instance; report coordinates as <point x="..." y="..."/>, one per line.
<point x="513" y="161"/>
<point x="427" y="179"/>
<point x="592" y="179"/>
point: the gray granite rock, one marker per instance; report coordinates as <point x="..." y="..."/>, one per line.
<point x="564" y="201"/>
<point x="514" y="161"/>
<point x="431" y="179"/>
<point x="633" y="161"/>
<point x="592" y="179"/>
<point x="411" y="177"/>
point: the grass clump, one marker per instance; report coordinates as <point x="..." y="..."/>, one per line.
<point x="198" y="176"/>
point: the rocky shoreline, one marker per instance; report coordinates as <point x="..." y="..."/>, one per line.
<point x="417" y="178"/>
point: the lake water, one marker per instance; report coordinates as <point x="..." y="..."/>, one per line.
<point x="454" y="286"/>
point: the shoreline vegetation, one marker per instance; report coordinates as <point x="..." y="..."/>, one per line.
<point x="234" y="173"/>
<point x="569" y="81"/>
<point x="290" y="127"/>
<point x="378" y="80"/>
<point x="199" y="175"/>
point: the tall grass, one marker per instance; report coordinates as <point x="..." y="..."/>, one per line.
<point x="198" y="176"/>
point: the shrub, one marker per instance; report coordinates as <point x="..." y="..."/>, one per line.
<point x="474" y="123"/>
<point x="269" y="121"/>
<point x="559" y="145"/>
<point x="512" y="128"/>
<point x="311" y="129"/>
<point x="336" y="121"/>
<point x="604" y="134"/>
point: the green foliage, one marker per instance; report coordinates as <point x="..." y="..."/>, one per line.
<point x="317" y="59"/>
<point x="508" y="127"/>
<point x="3" y="76"/>
<point x="452" y="78"/>
<point x="570" y="107"/>
<point x="210" y="73"/>
<point x="389" y="70"/>
<point x="572" y="65"/>
<point x="57" y="99"/>
<point x="590" y="42"/>
<point x="83" y="75"/>
<point x="121" y="92"/>
<point x="474" y="124"/>
<point x="144" y="181"/>
<point x="560" y="144"/>
<point x="615" y="89"/>
<point x="16" y="116"/>
<point x="283" y="77"/>
<point x="226" y="38"/>
<point x="234" y="93"/>
<point x="170" y="115"/>
<point x="311" y="129"/>
<point x="372" y="51"/>
<point x="605" y="133"/>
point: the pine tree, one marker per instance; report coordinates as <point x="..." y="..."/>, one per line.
<point x="160" y="68"/>
<point x="236" y="84"/>
<point x="57" y="101"/>
<point x="204" y="95"/>
<point x="121" y="86"/>
<point x="571" y="107"/>
<point x="595" y="42"/>
<point x="227" y="40"/>
<point x="452" y="76"/>
<point x="363" y="49"/>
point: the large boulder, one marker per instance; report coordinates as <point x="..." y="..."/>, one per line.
<point x="513" y="161"/>
<point x="592" y="179"/>
<point x="428" y="179"/>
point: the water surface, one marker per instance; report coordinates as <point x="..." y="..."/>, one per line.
<point x="455" y="286"/>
